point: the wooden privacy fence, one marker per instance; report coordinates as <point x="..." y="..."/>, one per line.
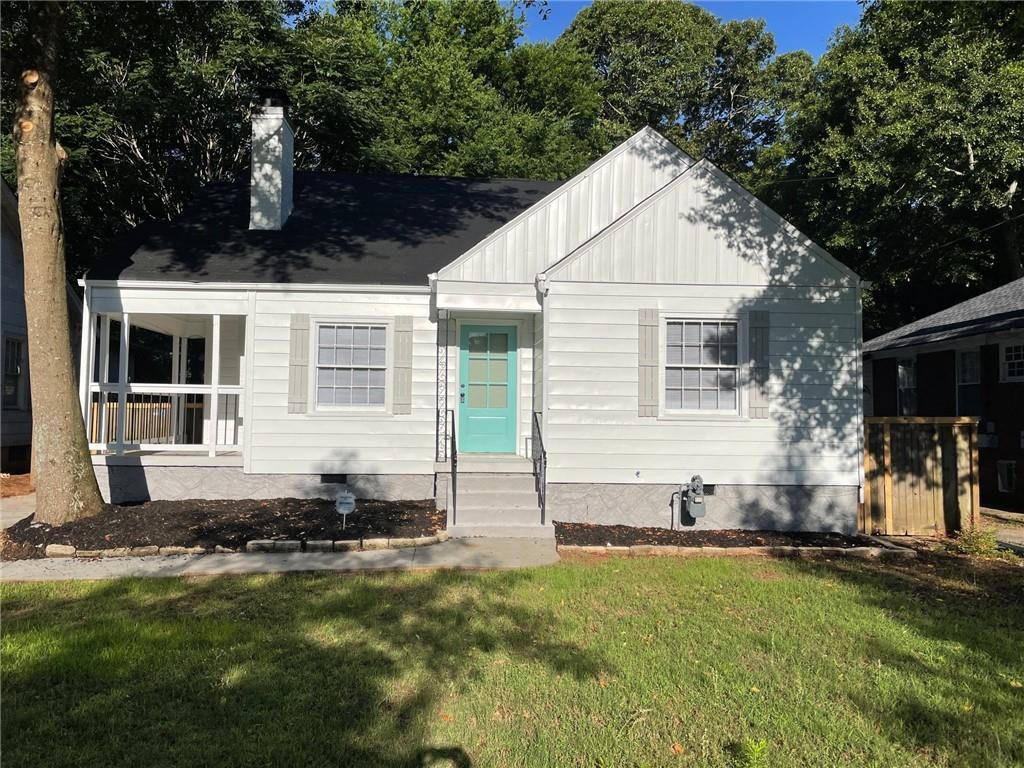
<point x="920" y="475"/>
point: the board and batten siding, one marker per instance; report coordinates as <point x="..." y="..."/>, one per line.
<point x="702" y="247"/>
<point x="593" y="431"/>
<point x="368" y="442"/>
<point x="578" y="209"/>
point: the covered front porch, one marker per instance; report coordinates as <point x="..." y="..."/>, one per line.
<point x="153" y="384"/>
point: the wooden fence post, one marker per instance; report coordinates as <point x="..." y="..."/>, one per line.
<point x="887" y="477"/>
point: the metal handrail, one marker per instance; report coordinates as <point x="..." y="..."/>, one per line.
<point x="455" y="464"/>
<point x="540" y="466"/>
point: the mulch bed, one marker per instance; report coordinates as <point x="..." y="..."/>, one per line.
<point x="226" y="523"/>
<point x="586" y="534"/>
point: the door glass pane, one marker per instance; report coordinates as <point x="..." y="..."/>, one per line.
<point x="499" y="396"/>
<point x="477" y="342"/>
<point x="499" y="343"/>
<point x="478" y="370"/>
<point x="477" y="396"/>
<point x="499" y="371"/>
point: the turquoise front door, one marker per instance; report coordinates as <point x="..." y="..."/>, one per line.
<point x="487" y="389"/>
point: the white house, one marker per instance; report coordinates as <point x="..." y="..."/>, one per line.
<point x="522" y="351"/>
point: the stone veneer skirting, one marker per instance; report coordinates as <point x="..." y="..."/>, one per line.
<point x="126" y="483"/>
<point x="751" y="507"/>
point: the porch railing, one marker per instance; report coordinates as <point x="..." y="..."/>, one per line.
<point x="164" y="417"/>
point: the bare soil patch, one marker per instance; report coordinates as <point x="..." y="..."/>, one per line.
<point x="228" y="524"/>
<point x="15" y="485"/>
<point x="587" y="534"/>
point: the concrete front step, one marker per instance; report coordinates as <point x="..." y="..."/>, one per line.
<point x="524" y="499"/>
<point x="490" y="515"/>
<point x="485" y="481"/>
<point x="502" y="531"/>
<point x="470" y="464"/>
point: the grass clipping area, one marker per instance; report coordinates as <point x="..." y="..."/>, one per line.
<point x="611" y="662"/>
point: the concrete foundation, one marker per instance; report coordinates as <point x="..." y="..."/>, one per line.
<point x="750" y="507"/>
<point x="126" y="483"/>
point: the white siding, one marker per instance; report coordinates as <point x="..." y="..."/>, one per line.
<point x="593" y="432"/>
<point x="574" y="212"/>
<point x="702" y="228"/>
<point x="355" y="443"/>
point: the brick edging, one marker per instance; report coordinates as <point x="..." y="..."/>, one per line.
<point x="256" y="545"/>
<point x="669" y="550"/>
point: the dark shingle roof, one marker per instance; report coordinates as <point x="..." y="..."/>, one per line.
<point x="998" y="310"/>
<point x="344" y="228"/>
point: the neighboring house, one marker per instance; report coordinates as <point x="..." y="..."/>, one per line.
<point x="967" y="360"/>
<point x="522" y="351"/>
<point x="16" y="413"/>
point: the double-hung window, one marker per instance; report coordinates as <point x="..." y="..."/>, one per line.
<point x="14" y="362"/>
<point x="1012" y="362"/>
<point x="702" y="366"/>
<point x="351" y="365"/>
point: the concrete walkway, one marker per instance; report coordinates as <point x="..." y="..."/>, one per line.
<point x="458" y="554"/>
<point x="14" y="508"/>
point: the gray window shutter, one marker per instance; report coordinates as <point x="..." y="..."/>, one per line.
<point x="298" y="365"/>
<point x="648" y="371"/>
<point x="758" y="323"/>
<point x="401" y="397"/>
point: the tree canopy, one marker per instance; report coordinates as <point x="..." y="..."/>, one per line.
<point x="900" y="150"/>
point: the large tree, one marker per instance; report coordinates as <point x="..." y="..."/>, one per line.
<point x="908" y="153"/>
<point x="717" y="89"/>
<point x="66" y="487"/>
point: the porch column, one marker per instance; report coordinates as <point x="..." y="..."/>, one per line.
<point x="85" y="355"/>
<point x="122" y="382"/>
<point x="104" y="377"/>
<point x="214" y="384"/>
<point x="175" y="379"/>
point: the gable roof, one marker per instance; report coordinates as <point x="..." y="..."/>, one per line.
<point x="732" y="237"/>
<point x="999" y="310"/>
<point x="344" y="229"/>
<point x="603" y="192"/>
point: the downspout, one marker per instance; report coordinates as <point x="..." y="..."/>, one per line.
<point x="861" y="285"/>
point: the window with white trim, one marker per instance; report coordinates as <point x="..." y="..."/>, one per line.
<point x="1013" y="362"/>
<point x="351" y="364"/>
<point x="702" y="365"/>
<point x="14" y="364"/>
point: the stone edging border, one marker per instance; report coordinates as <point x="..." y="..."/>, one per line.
<point x="256" y="545"/>
<point x="883" y="550"/>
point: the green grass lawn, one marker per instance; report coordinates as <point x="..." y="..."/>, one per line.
<point x="587" y="663"/>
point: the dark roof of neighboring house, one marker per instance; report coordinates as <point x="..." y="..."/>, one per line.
<point x="998" y="310"/>
<point x="344" y="228"/>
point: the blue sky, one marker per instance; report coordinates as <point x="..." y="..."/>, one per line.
<point x="795" y="25"/>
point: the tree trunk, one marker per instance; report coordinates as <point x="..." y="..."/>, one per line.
<point x="1007" y="246"/>
<point x="66" y="487"/>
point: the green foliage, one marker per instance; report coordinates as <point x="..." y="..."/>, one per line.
<point x="981" y="542"/>
<point x="717" y="89"/>
<point x="916" y="117"/>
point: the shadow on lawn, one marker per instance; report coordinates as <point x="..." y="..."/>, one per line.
<point x="292" y="670"/>
<point x="975" y="608"/>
